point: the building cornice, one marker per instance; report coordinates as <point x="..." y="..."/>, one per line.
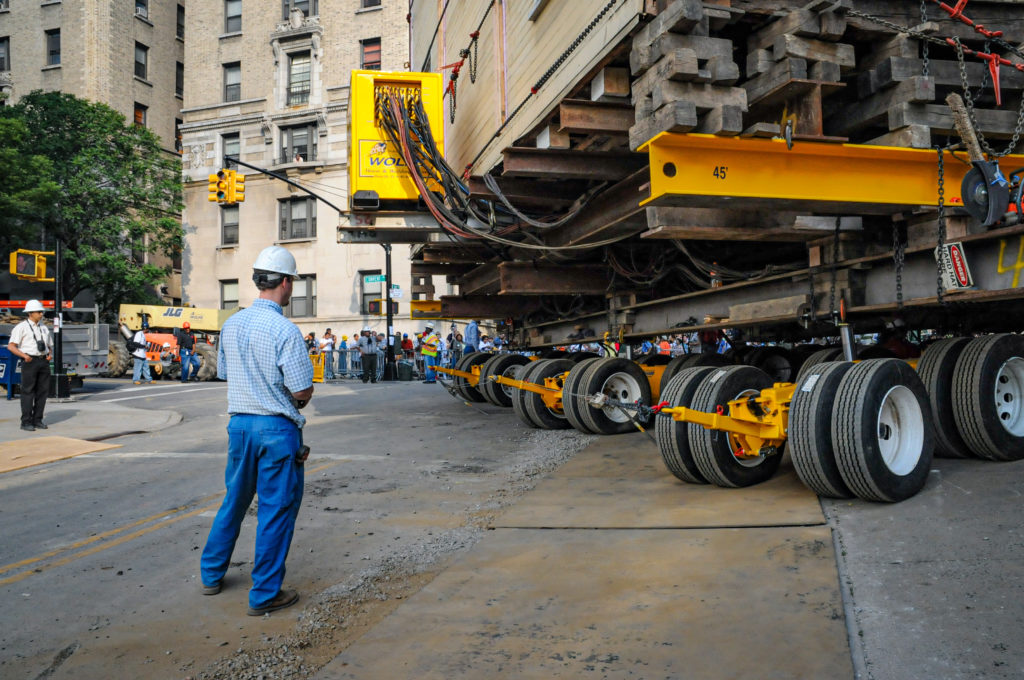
<point x="223" y="105"/>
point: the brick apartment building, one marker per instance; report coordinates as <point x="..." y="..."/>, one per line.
<point x="269" y="82"/>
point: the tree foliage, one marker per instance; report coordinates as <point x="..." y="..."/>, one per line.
<point x="27" y="189"/>
<point x="119" y="196"/>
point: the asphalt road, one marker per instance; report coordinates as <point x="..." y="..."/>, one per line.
<point x="99" y="553"/>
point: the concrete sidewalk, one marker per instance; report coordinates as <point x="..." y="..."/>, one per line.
<point x="90" y="420"/>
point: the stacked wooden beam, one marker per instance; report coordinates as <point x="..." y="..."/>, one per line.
<point x="684" y="77"/>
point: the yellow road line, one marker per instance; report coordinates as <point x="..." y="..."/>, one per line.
<point x="118" y="541"/>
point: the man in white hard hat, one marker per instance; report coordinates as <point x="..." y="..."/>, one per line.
<point x="428" y="349"/>
<point x="31" y="342"/>
<point x="263" y="357"/>
<point x="368" y="354"/>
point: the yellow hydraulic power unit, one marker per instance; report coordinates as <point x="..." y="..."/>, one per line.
<point x="378" y="177"/>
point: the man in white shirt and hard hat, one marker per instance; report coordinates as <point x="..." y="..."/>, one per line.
<point x="31" y="342"/>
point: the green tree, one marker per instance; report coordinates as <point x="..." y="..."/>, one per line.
<point x="27" y="189"/>
<point x="119" y="196"/>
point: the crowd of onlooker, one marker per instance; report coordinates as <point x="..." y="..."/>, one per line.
<point x="342" y="357"/>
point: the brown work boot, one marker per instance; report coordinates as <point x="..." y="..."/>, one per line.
<point x="285" y="598"/>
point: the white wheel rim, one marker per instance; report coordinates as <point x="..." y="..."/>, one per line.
<point x="1009" y="392"/>
<point x="747" y="462"/>
<point x="900" y="430"/>
<point x="621" y="387"/>
<point x="510" y="372"/>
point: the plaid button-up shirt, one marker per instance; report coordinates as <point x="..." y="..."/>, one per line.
<point x="263" y="357"/>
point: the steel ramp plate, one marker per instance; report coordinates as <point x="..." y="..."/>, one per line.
<point x="24" y="453"/>
<point x="621" y="482"/>
<point x="534" y="603"/>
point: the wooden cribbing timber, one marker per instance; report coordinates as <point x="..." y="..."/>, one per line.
<point x="833" y="74"/>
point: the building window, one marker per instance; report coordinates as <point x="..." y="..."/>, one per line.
<point x="232" y="16"/>
<point x="232" y="82"/>
<point x="370" y="3"/>
<point x="229" y="294"/>
<point x="142" y="8"/>
<point x="181" y="22"/>
<point x="53" y="47"/>
<point x="370" y="54"/>
<point x="141" y="60"/>
<point x="369" y="291"/>
<point x="309" y="7"/>
<point x="298" y="79"/>
<point x="140" y="114"/>
<point x="298" y="144"/>
<point x="298" y="218"/>
<point x="303" y="302"/>
<point x="229" y="225"/>
<point x="232" y="146"/>
<point x="177" y="135"/>
<point x="179" y="79"/>
<point x="5" y="54"/>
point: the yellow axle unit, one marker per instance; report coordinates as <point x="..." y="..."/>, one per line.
<point x="757" y="425"/>
<point x="550" y="392"/>
<point x="473" y="378"/>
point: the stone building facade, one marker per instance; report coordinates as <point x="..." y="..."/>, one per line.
<point x="269" y="82"/>
<point x="127" y="54"/>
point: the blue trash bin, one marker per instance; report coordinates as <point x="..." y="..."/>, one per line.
<point x="10" y="367"/>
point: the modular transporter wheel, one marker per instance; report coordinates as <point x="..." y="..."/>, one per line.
<point x="688" y="361"/>
<point x="507" y="366"/>
<point x="936" y="371"/>
<point x="810" y="430"/>
<point x="538" y="412"/>
<point x="519" y="396"/>
<point x="466" y="364"/>
<point x="989" y="406"/>
<point x="882" y="430"/>
<point x="714" y="450"/>
<point x="819" y="357"/>
<point x="672" y="435"/>
<point x="573" y="400"/>
<point x="621" y="380"/>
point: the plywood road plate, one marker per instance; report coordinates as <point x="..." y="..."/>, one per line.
<point x="696" y="604"/>
<point x="23" y="453"/>
<point x="621" y="482"/>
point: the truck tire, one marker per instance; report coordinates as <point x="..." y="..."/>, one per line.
<point x="936" y="369"/>
<point x="468" y="391"/>
<point x="519" y="396"/>
<point x="208" y="358"/>
<point x="119" y="360"/>
<point x="710" y="359"/>
<point x="713" y="449"/>
<point x="989" y="386"/>
<point x="819" y="357"/>
<point x="505" y="365"/>
<point x="778" y="362"/>
<point x="672" y="435"/>
<point x="623" y="381"/>
<point x="539" y="413"/>
<point x="572" y="404"/>
<point x="882" y="430"/>
<point x="457" y="382"/>
<point x="810" y="430"/>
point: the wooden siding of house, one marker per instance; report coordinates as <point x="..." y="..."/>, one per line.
<point x="511" y="62"/>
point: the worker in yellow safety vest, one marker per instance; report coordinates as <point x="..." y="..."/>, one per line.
<point x="429" y="351"/>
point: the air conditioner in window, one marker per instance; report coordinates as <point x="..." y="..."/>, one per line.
<point x="142" y="12"/>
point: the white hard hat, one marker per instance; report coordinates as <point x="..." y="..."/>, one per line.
<point x="34" y="306"/>
<point x="167" y="345"/>
<point x="367" y="329"/>
<point x="429" y="326"/>
<point x="276" y="259"/>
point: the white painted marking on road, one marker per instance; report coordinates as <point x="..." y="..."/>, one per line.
<point x="154" y="454"/>
<point x="162" y="393"/>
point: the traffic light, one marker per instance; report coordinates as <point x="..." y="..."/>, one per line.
<point x="238" y="187"/>
<point x="218" y="186"/>
<point x="29" y="264"/>
<point x="378" y="308"/>
<point x="229" y="191"/>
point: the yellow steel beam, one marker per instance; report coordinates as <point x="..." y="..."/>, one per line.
<point x="695" y="170"/>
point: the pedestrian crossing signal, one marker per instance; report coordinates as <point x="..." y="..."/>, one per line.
<point x="29" y="265"/>
<point x="377" y="307"/>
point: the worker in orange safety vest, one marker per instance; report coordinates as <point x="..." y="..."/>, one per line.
<point x="664" y="347"/>
<point x="429" y="351"/>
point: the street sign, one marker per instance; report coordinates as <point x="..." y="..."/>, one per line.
<point x="374" y="278"/>
<point x="396" y="293"/>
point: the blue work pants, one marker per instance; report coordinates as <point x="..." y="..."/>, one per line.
<point x="262" y="462"/>
<point x="140" y="370"/>
<point x="329" y="365"/>
<point x="428" y="367"/>
<point x="189" y="364"/>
